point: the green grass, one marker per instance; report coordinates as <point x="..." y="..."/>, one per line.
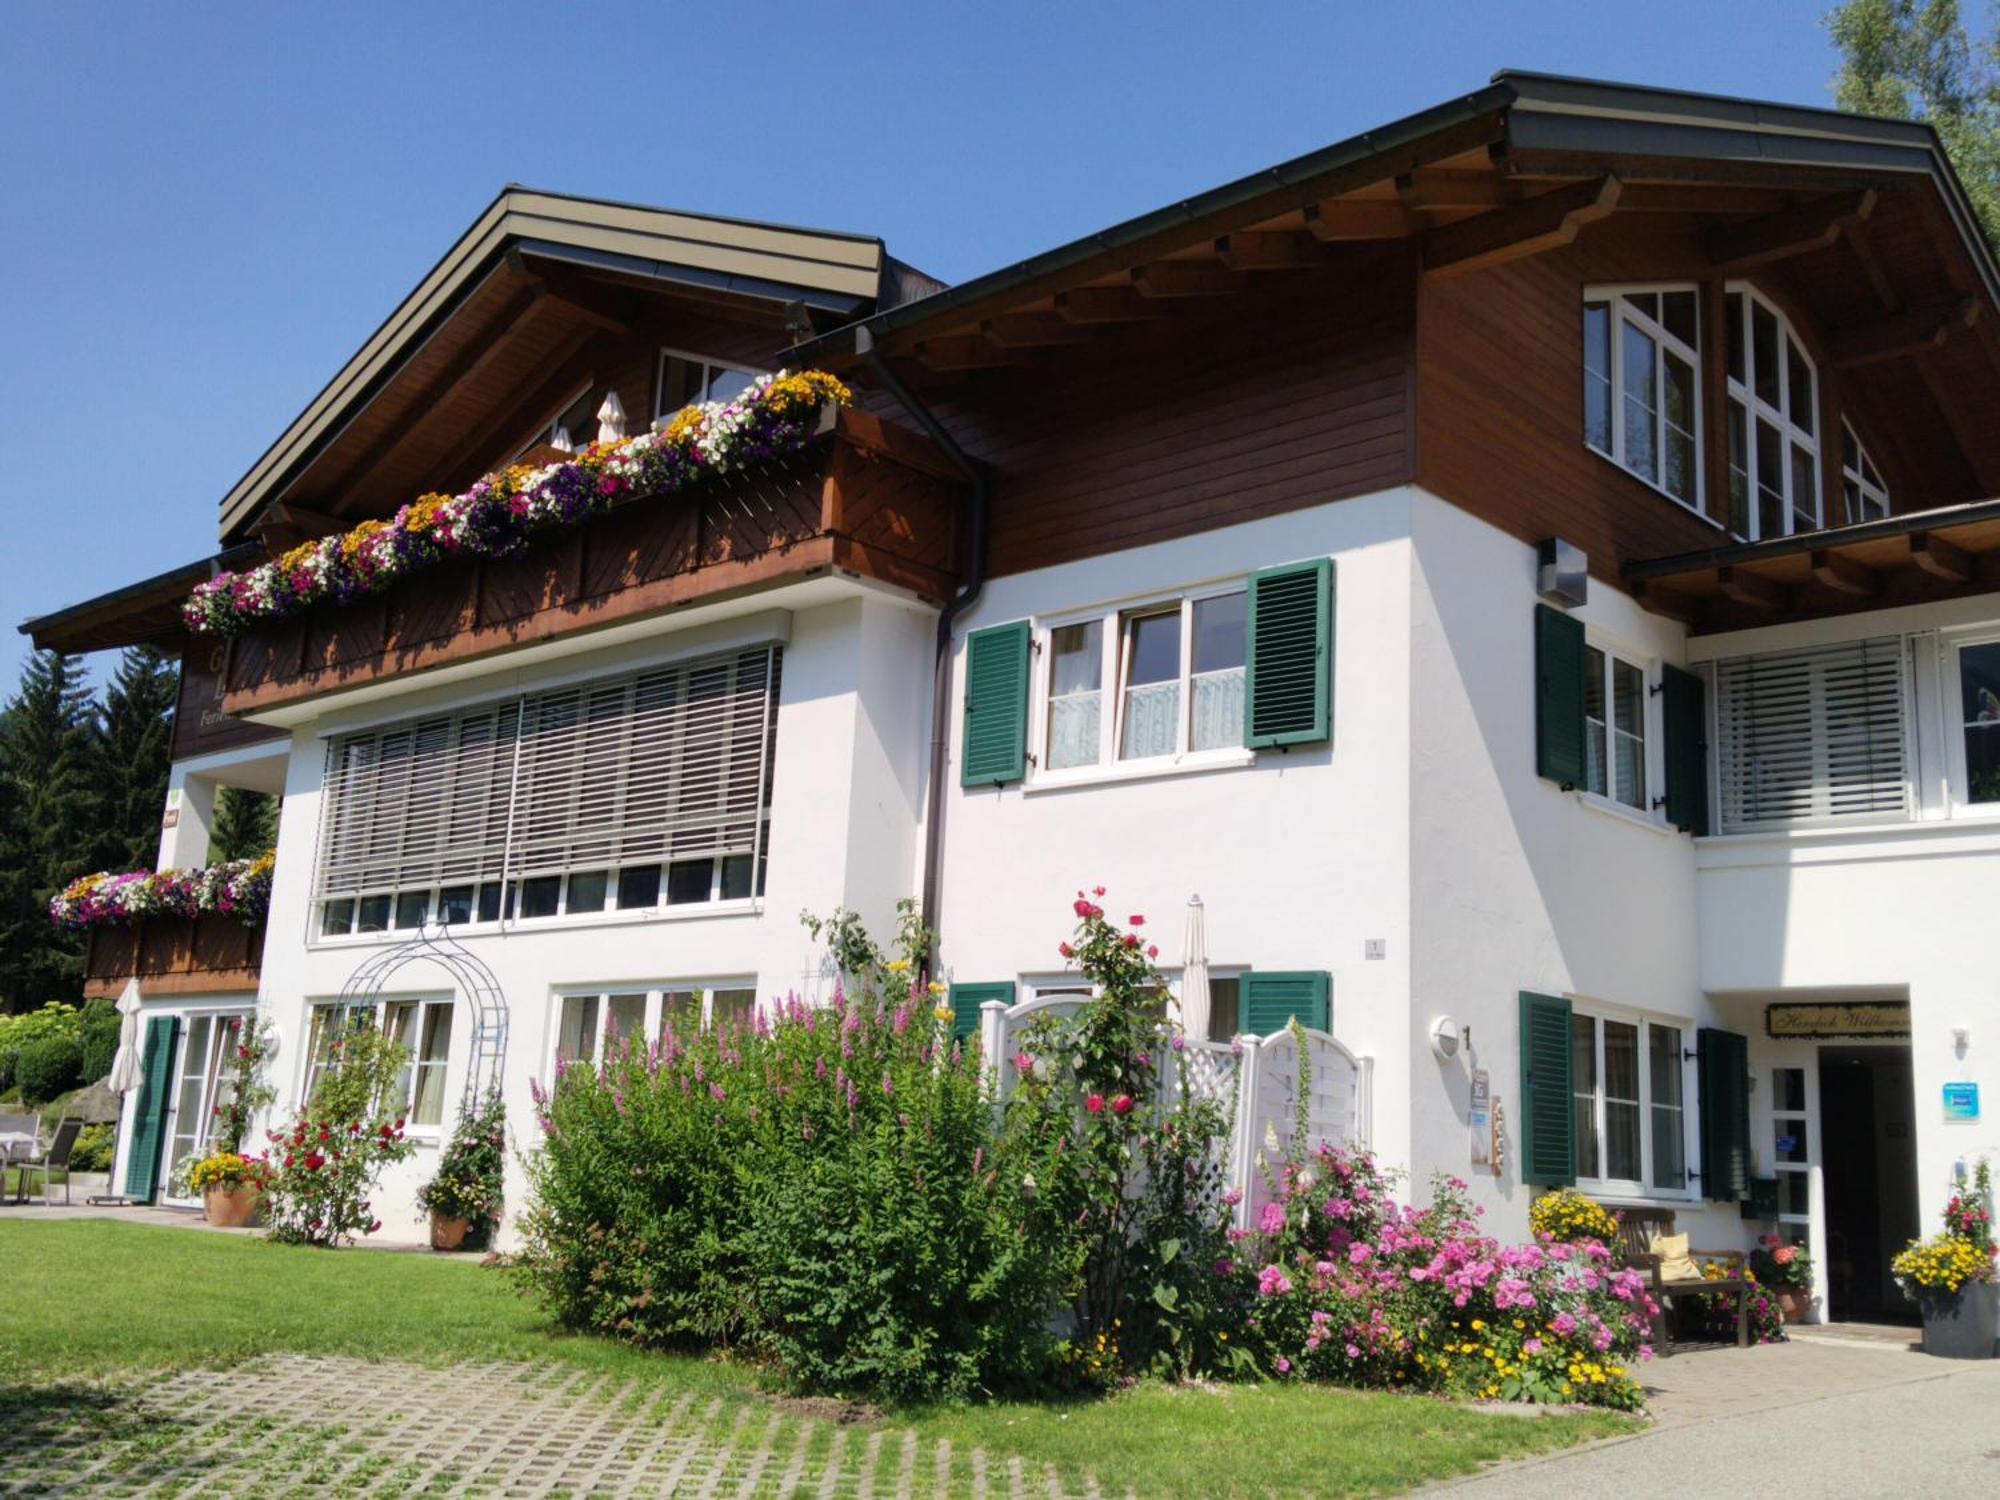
<point x="91" y="1298"/>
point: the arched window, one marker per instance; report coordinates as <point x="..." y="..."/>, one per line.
<point x="1642" y="384"/>
<point x="1860" y="481"/>
<point x="1773" y="422"/>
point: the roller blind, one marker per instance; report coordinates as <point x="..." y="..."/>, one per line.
<point x="1812" y="736"/>
<point x="668" y="763"/>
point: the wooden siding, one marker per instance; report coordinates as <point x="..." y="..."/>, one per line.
<point x="868" y="498"/>
<point x="200" y="725"/>
<point x="1294" y="392"/>
<point x="175" y="956"/>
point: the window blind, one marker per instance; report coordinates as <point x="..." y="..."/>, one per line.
<point x="1812" y="736"/>
<point x="669" y="763"/>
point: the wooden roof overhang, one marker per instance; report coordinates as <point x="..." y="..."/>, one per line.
<point x="147" y="613"/>
<point x="1859" y="223"/>
<point x="1920" y="557"/>
<point x="533" y="280"/>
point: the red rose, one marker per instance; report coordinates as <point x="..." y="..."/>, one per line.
<point x="1095" y="1104"/>
<point x="1131" y="939"/>
<point x="1122" y="1105"/>
<point x="1097" y="890"/>
<point x="1065" y="950"/>
<point x="1135" y="921"/>
<point x="1081" y="908"/>
<point x="1153" y="952"/>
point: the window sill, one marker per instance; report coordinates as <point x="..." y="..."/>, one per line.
<point x="1140" y="770"/>
<point x="1660" y="1199"/>
<point x="692" y="912"/>
<point x="1631" y="816"/>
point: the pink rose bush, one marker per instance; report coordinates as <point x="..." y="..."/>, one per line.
<point x="1358" y="1289"/>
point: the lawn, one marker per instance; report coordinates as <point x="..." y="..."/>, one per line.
<point x="96" y="1298"/>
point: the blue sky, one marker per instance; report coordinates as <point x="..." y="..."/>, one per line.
<point x="208" y="207"/>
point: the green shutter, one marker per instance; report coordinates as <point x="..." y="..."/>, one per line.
<point x="1548" y="1140"/>
<point x="966" y="999"/>
<point x="1558" y="696"/>
<point x="1722" y="1072"/>
<point x="1288" y="649"/>
<point x="1684" y="719"/>
<point x="1271" y="998"/>
<point x="996" y="706"/>
<point x="149" y="1121"/>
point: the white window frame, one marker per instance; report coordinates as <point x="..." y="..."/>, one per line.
<point x="1648" y="808"/>
<point x="323" y="1013"/>
<point x="1951" y="693"/>
<point x="710" y="367"/>
<point x="1111" y="621"/>
<point x="655" y="992"/>
<point x="1640" y="1190"/>
<point x="546" y="433"/>
<point x="1874" y="492"/>
<point x="1060" y="986"/>
<point x="1744" y="393"/>
<point x="1621" y="310"/>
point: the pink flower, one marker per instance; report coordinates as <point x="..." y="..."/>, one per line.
<point x="1284" y="1365"/>
<point x="1272" y="1220"/>
<point x="1135" y="921"/>
<point x="1131" y="939"/>
<point x="1273" y="1282"/>
<point x="1095" y="1104"/>
<point x="1081" y="908"/>
<point x="1122" y="1105"/>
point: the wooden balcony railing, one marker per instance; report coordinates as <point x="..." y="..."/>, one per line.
<point x="175" y="956"/>
<point x="866" y="497"/>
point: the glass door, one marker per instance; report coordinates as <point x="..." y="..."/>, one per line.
<point x="201" y="1087"/>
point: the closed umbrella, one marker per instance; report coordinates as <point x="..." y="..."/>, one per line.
<point x="1194" y="973"/>
<point x="125" y="1074"/>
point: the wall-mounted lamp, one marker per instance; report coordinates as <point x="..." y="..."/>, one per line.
<point x="1447" y="1037"/>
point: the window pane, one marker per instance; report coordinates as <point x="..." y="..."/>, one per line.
<point x="1771" y="511"/>
<point x="586" y="891"/>
<point x="374" y="914"/>
<point x="1794" y="1196"/>
<point x="1597" y="375"/>
<point x="1152" y="685"/>
<point x="413" y="908"/>
<point x="1679" y="471"/>
<point x="1789" y="1089"/>
<point x="1218" y="669"/>
<point x="1595" y="749"/>
<point x="1764" y="355"/>
<point x="1642" y="404"/>
<point x="1583" y="1079"/>
<point x="576" y="1033"/>
<point x="1677" y="312"/>
<point x="336" y="917"/>
<point x="1800" y="388"/>
<point x="1739" y="469"/>
<point x="1849" y="457"/>
<point x="638" y="887"/>
<point x="489" y="901"/>
<point x="690" y="880"/>
<point x="1628" y="703"/>
<point x="1224" y="998"/>
<point x="681" y="1010"/>
<point x="681" y="382"/>
<point x="1621" y="1101"/>
<point x="1076" y="681"/>
<point x="625" y="1024"/>
<point x="455" y="905"/>
<point x="733" y="1008"/>
<point x="727" y="385"/>
<point x="1805" y="490"/>
<point x="1979" y="683"/>
<point x="1218" y="632"/>
<point x="541" y="895"/>
<point x="1663" y="1050"/>
<point x="1734" y="322"/>
<point x="1647" y="303"/>
<point x="1788" y="1138"/>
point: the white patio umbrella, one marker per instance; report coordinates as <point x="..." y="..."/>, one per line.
<point x="125" y="1074"/>
<point x="1194" y="973"/>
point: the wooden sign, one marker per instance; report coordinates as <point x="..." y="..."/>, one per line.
<point x="1809" y="1019"/>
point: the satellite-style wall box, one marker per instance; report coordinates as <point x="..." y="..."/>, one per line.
<point x="1562" y="574"/>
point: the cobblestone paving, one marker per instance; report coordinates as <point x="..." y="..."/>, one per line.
<point x="331" y="1427"/>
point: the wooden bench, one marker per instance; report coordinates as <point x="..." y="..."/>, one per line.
<point x="1638" y="1228"/>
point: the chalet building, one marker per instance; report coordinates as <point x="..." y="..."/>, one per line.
<point x="1529" y="569"/>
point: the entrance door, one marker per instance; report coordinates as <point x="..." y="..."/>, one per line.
<point x="201" y="1086"/>
<point x="1867" y="1110"/>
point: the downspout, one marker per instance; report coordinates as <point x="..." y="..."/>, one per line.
<point x="980" y="494"/>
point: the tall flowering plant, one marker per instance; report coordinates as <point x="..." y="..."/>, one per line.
<point x="471" y="1173"/>
<point x="506" y="509"/>
<point x="248" y="1093"/>
<point x="325" y="1165"/>
<point x="1938" y="1268"/>
<point x="239" y="888"/>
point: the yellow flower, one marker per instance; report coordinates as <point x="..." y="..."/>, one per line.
<point x="899" y="966"/>
<point x="943" y="1012"/>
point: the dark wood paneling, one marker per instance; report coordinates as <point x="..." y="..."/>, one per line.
<point x="174" y="956"/>
<point x="200" y="725"/>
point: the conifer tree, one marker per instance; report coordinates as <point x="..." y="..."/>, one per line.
<point x="133" y="753"/>
<point x="246" y="825"/>
<point x="49" y="812"/>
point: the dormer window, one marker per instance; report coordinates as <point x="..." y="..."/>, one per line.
<point x="1642" y="384"/>
<point x="688" y="378"/>
<point x="1861" y="483"/>
<point x="572" y="429"/>
<point x="1773" y="422"/>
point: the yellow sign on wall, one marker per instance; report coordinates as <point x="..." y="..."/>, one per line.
<point x="1808" y="1019"/>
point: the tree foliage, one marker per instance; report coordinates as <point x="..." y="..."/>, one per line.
<point x="1915" y="60"/>
<point x="134" y="750"/>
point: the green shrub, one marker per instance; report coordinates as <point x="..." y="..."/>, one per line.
<point x="98" y="1030"/>
<point x="92" y="1152"/>
<point x="47" y="1067"/>
<point x="16" y="1032"/>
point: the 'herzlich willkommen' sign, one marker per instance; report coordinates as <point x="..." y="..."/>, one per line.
<point x="1803" y="1018"/>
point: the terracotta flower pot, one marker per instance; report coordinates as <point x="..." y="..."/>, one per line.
<point x="448" y="1234"/>
<point x="231" y="1205"/>
<point x="1794" y="1302"/>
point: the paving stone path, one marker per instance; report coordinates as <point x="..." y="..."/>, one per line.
<point x="333" y="1427"/>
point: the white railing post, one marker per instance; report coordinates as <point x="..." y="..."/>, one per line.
<point x="1244" y="1152"/>
<point x="993" y="1044"/>
<point x="1364" y="1102"/>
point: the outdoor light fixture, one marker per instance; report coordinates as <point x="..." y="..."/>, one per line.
<point x="1445" y="1038"/>
<point x="1562" y="573"/>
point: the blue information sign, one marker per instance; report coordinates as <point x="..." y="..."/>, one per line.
<point x="1961" y="1101"/>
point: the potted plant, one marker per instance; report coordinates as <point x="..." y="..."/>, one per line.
<point x="1951" y="1276"/>
<point x="1786" y="1270"/>
<point x="231" y="1188"/>
<point x="464" y="1198"/>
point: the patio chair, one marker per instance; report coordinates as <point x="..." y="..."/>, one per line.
<point x="18" y="1135"/>
<point x="1639" y="1230"/>
<point x="51" y="1161"/>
